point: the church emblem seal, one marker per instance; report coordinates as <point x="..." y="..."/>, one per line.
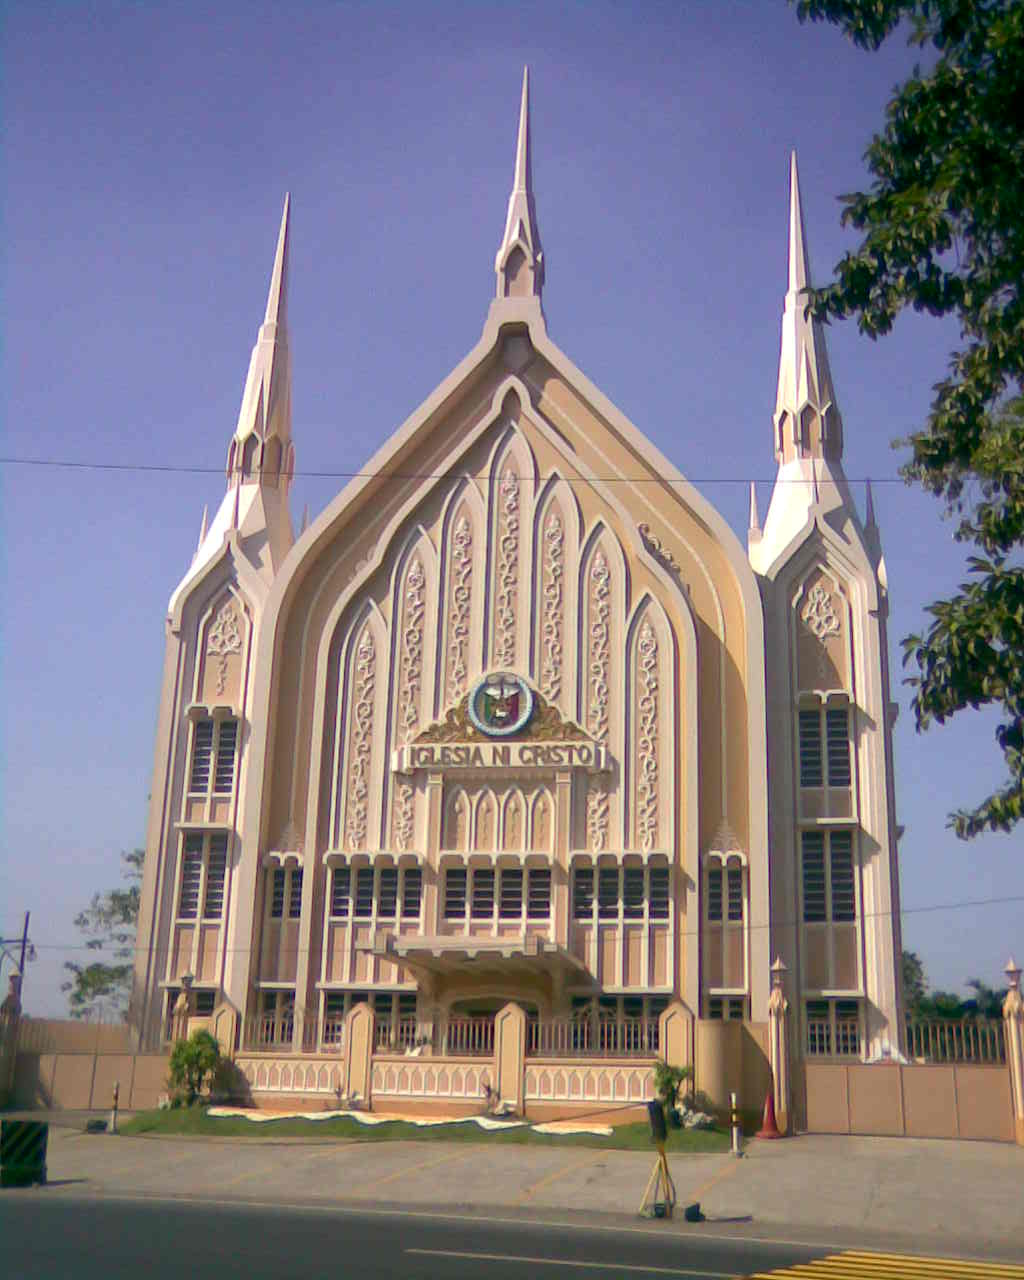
<point x="500" y="703"/>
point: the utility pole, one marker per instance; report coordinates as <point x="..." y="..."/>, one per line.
<point x="24" y="944"/>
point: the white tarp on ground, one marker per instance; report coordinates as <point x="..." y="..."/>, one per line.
<point x="367" y="1117"/>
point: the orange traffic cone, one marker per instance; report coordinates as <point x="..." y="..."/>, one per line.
<point x="769" y="1129"/>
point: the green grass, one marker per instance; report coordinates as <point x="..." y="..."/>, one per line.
<point x="195" y="1121"/>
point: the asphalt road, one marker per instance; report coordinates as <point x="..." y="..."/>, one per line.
<point x="43" y="1238"/>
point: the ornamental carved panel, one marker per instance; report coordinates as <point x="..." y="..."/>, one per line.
<point x="506" y="571"/>
<point x="822" y="635"/>
<point x="360" y="742"/>
<point x="223" y="654"/>
<point x="552" y="627"/>
<point x="458" y="609"/>
<point x="596" y="689"/>
<point x="409" y="699"/>
<point x="648" y="742"/>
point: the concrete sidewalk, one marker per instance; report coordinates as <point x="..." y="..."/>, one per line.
<point x="934" y="1196"/>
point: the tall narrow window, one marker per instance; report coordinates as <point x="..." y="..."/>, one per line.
<point x="341" y="885"/>
<point x="714" y="893"/>
<point x="224" y="771"/>
<point x="412" y="892"/>
<point x="295" y="895"/>
<point x="734" y="885"/>
<point x="364" y="893"/>
<point x="216" y="870"/>
<point x="387" y="903"/>
<point x="844" y="898"/>
<point x="510" y="902"/>
<point x="482" y="904"/>
<point x="633" y="893"/>
<point x="277" y="895"/>
<point x="813" y="849"/>
<point x="608" y="893"/>
<point x="538" y="894"/>
<point x="658" y="901"/>
<point x="202" y="754"/>
<point x="583" y="893"/>
<point x="810" y="748"/>
<point x="191" y="874"/>
<point x="455" y="893"/>
<point x="837" y="740"/>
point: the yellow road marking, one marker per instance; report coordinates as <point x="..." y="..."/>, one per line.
<point x="859" y="1265"/>
<point x="592" y="1158"/>
<point x="416" y="1168"/>
<point x="729" y="1169"/>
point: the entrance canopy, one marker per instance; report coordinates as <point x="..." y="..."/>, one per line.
<point x="458" y="955"/>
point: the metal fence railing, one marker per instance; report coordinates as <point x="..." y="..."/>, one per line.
<point x="954" y="1040"/>
<point x="469" y="1036"/>
<point x="589" y="1037"/>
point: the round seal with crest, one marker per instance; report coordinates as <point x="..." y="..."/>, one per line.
<point x="500" y="703"/>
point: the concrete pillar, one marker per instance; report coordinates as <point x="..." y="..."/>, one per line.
<point x="510" y="1056"/>
<point x="1013" y="1017"/>
<point x="778" y="1045"/>
<point x="357" y="1081"/>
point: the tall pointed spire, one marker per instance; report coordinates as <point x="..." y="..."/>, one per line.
<point x="519" y="263"/>
<point x="755" y="519"/>
<point x="807" y="422"/>
<point x="261" y="448"/>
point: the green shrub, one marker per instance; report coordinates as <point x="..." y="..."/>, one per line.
<point x="193" y="1064"/>
<point x="668" y="1080"/>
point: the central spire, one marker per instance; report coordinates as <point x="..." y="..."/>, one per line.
<point x="807" y="423"/>
<point x="519" y="263"/>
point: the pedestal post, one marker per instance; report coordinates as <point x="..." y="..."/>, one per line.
<point x="1013" y="1019"/>
<point x="778" y="1045"/>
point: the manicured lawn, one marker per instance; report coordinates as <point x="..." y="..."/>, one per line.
<point x="195" y="1121"/>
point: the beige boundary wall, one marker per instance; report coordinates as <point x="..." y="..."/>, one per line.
<point x="961" y="1100"/>
<point x="85" y="1081"/>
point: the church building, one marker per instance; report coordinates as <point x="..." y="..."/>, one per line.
<point x="518" y="721"/>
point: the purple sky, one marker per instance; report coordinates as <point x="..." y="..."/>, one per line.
<point x="146" y="155"/>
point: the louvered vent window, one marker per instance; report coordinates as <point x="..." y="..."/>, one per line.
<point x="810" y="749"/>
<point x="608" y="893"/>
<point x="364" y="893"/>
<point x="295" y="895"/>
<point x="844" y="898"/>
<point x="482" y="903"/>
<point x="583" y="893"/>
<point x="714" y="893"/>
<point x="538" y="894"/>
<point x="216" y="870"/>
<point x="387" y="903"/>
<point x="510" y="903"/>
<point x="202" y="754"/>
<point x="813" y="848"/>
<point x="455" y="893"/>
<point x="412" y="892"/>
<point x="191" y="874"/>
<point x="633" y="893"/>
<point x="341" y="885"/>
<point x="277" y="895"/>
<point x="658" y="906"/>
<point x="227" y="742"/>
<point x="837" y="742"/>
<point x="734" y="884"/>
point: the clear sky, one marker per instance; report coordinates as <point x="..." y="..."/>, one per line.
<point x="146" y="155"/>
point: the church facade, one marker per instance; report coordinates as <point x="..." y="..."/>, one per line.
<point x="517" y="719"/>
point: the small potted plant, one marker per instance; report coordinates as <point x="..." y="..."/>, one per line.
<point x="668" y="1080"/>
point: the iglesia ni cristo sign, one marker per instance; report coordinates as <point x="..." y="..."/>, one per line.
<point x="502" y="724"/>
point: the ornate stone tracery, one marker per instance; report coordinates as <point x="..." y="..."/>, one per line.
<point x="224" y="638"/>
<point x="553" y="607"/>
<point x="507" y="576"/>
<point x="598" y="656"/>
<point x="818" y="614"/>
<point x="458" y="608"/>
<point x="364" y="688"/>
<point x="410" y="684"/>
<point x="648" y="691"/>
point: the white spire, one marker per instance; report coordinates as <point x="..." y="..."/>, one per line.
<point x="203" y="527"/>
<point x="869" y="507"/>
<point x="305" y="519"/>
<point x="519" y="263"/>
<point x="755" y="520"/>
<point x="260" y="445"/>
<point x="807" y="422"/>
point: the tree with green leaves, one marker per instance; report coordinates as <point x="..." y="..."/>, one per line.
<point x="943" y="233"/>
<point x="915" y="985"/>
<point x="109" y="923"/>
<point x="193" y="1064"/>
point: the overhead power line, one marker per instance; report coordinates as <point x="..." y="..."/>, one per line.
<point x="71" y="464"/>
